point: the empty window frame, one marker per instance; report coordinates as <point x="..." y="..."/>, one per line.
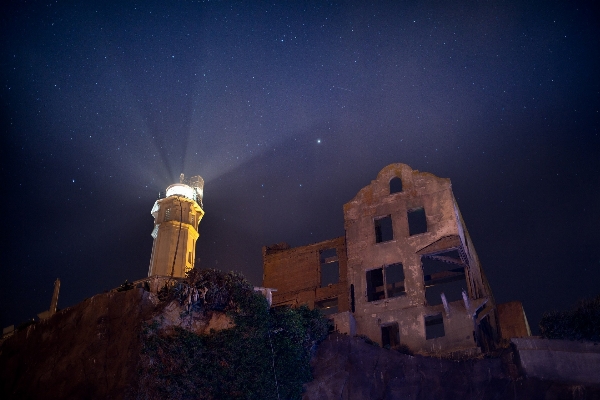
<point x="328" y="306"/>
<point x="392" y="275"/>
<point x="394" y="280"/>
<point x="434" y="326"/>
<point x="443" y="273"/>
<point x="375" y="289"/>
<point x="390" y="335"/>
<point x="383" y="229"/>
<point x="330" y="267"/>
<point x="417" y="222"/>
<point x="395" y="185"/>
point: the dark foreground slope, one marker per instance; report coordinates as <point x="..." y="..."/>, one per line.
<point x="95" y="350"/>
<point x="349" y="368"/>
<point x="210" y="336"/>
<point x="89" y="351"/>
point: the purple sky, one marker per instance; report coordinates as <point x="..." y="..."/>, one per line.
<point x="287" y="110"/>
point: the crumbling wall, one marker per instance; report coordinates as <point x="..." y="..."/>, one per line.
<point x="296" y="273"/>
<point x="412" y="275"/>
<point x="368" y="251"/>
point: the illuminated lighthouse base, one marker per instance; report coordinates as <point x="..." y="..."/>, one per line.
<point x="176" y="220"/>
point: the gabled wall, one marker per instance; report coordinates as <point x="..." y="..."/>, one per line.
<point x="445" y="233"/>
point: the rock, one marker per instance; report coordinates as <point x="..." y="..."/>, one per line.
<point x="91" y="350"/>
<point x="348" y="368"/>
<point x="199" y="323"/>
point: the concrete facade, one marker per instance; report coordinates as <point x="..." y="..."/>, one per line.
<point x="176" y="221"/>
<point x="408" y="270"/>
<point x="446" y="304"/>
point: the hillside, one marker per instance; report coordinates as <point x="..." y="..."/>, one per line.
<point x="136" y="344"/>
<point x="349" y="368"/>
<point x="209" y="336"/>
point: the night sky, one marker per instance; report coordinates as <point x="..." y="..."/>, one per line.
<point x="287" y="110"/>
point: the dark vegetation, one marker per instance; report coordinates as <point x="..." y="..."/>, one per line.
<point x="125" y="286"/>
<point x="581" y="323"/>
<point x="265" y="356"/>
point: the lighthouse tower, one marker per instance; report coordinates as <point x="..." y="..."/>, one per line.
<point x="176" y="220"/>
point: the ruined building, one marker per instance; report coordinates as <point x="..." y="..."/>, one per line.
<point x="406" y="272"/>
<point x="176" y="219"/>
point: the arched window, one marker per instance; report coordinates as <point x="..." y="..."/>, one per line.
<point x="395" y="185"/>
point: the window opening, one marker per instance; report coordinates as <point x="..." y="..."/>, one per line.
<point x="434" y="326"/>
<point x="443" y="272"/>
<point x="392" y="275"/>
<point x="327" y="307"/>
<point x="375" y="285"/>
<point x="168" y="214"/>
<point x="417" y="222"/>
<point x="390" y="335"/>
<point x="352" y="297"/>
<point x="395" y="185"/>
<point x="383" y="229"/>
<point x="394" y="280"/>
<point x="330" y="268"/>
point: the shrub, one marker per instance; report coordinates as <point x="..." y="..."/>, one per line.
<point x="368" y="340"/>
<point x="125" y="286"/>
<point x="404" y="349"/>
<point x="581" y="323"/>
<point x="265" y="356"/>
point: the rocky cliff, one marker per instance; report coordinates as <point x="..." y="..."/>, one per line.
<point x="94" y="350"/>
<point x="349" y="368"/>
<point x="91" y="350"/>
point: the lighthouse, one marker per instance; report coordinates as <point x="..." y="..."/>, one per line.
<point x="176" y="219"/>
